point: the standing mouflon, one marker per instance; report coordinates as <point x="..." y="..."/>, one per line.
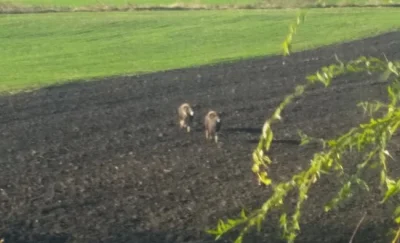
<point x="212" y="124"/>
<point x="185" y="115"/>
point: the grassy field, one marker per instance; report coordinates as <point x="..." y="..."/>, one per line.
<point x="161" y="2"/>
<point x="40" y="49"/>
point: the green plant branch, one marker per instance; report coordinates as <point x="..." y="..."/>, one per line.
<point x="370" y="138"/>
<point x="287" y="43"/>
<point x="324" y="76"/>
<point x="376" y="132"/>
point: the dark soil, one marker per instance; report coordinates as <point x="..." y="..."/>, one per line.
<point x="105" y="161"/>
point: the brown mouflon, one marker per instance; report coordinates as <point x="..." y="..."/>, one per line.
<point x="185" y="114"/>
<point x="212" y="124"/>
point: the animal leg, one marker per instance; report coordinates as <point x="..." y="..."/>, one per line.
<point x="188" y="128"/>
<point x="181" y="123"/>
<point x="216" y="138"/>
<point x="212" y="135"/>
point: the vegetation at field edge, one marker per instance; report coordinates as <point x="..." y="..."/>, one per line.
<point x="194" y="3"/>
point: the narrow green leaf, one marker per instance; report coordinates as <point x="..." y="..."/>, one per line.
<point x="383" y="177"/>
<point x="283" y="221"/>
<point x="327" y="208"/>
<point x="239" y="239"/>
<point x="231" y="222"/>
<point x="258" y="223"/>
<point x="268" y="139"/>
<point x="255" y="168"/>
<point x="397" y="211"/>
<point x="393" y="188"/>
<point x="392" y="68"/>
<point x="243" y="214"/>
<point x="265" y="179"/>
<point x="363" y="184"/>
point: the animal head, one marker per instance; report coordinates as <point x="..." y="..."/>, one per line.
<point x="188" y="110"/>
<point x="212" y="115"/>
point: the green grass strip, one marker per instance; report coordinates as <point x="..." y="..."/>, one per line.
<point x="41" y="49"/>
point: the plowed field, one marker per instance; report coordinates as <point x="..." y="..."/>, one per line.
<point x="105" y="161"/>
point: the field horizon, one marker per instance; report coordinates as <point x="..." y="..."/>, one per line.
<point x="126" y="5"/>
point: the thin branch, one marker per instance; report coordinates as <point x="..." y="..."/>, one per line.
<point x="396" y="238"/>
<point x="358" y="226"/>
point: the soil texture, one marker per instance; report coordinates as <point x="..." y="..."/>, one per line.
<point x="105" y="161"/>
